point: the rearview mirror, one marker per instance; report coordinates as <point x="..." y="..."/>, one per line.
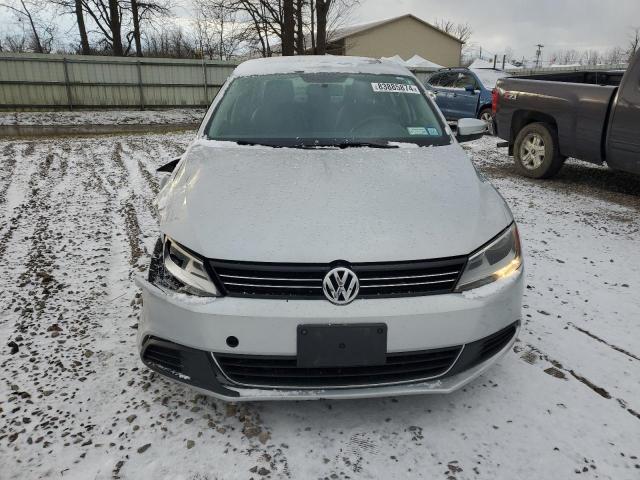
<point x="470" y="88"/>
<point x="470" y="129"/>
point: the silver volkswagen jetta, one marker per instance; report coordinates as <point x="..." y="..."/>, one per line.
<point x="325" y="236"/>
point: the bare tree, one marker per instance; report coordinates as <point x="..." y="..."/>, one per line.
<point x="300" y="26"/>
<point x="335" y="15"/>
<point x="142" y="11"/>
<point x="219" y="31"/>
<point x="591" y="57"/>
<point x="41" y="33"/>
<point x="119" y="22"/>
<point x="75" y="8"/>
<point x="614" y="56"/>
<point x="288" y="28"/>
<point x="14" y="43"/>
<point x="462" y="31"/>
<point x="509" y="54"/>
<point x="322" y="13"/>
<point x="634" y="42"/>
<point x="170" y="42"/>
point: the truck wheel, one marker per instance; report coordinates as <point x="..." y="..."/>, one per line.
<point x="487" y="116"/>
<point x="536" y="151"/>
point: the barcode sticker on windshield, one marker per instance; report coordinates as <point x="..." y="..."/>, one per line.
<point x="394" y="88"/>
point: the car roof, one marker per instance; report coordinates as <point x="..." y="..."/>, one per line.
<point x="319" y="63"/>
<point x="454" y="69"/>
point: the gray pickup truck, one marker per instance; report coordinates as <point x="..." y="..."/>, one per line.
<point x="591" y="116"/>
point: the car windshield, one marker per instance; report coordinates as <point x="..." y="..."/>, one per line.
<point x="326" y="109"/>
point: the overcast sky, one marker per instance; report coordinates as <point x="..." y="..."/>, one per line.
<point x="521" y="24"/>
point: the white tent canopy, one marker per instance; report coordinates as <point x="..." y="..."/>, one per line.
<point x="396" y="59"/>
<point x="420" y="62"/>
<point x="414" y="62"/>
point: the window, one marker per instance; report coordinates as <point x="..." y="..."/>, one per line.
<point x="325" y="109"/>
<point x="436" y="79"/>
<point x="464" y="80"/>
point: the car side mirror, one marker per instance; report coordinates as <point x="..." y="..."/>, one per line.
<point x="165" y="172"/>
<point x="470" y="88"/>
<point x="169" y="167"/>
<point x="470" y="129"/>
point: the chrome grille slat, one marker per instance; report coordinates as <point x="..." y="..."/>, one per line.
<point x="274" y="278"/>
<point x="364" y="279"/>
<point x="269" y="286"/>
<point x="405" y="284"/>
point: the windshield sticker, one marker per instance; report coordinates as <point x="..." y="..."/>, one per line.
<point x="433" y="132"/>
<point x="417" y="131"/>
<point x="394" y="88"/>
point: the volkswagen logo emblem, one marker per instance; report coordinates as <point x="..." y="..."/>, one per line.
<point x="341" y="286"/>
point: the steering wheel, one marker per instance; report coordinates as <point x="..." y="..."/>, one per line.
<point x="376" y="118"/>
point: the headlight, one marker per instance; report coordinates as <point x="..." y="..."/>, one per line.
<point x="188" y="269"/>
<point x="499" y="259"/>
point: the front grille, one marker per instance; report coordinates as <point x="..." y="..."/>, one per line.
<point x="304" y="281"/>
<point x="283" y="372"/>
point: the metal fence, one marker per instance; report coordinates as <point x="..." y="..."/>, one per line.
<point x="33" y="81"/>
<point x="566" y="69"/>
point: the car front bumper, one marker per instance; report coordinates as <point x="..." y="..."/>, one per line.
<point x="267" y="327"/>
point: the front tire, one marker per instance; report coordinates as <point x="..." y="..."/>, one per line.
<point x="536" y="151"/>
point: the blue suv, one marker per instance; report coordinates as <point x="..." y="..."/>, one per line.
<point x="464" y="93"/>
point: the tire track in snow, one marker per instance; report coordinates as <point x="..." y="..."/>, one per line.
<point x="598" y="339"/>
<point x="531" y="355"/>
<point x="24" y="179"/>
<point x="8" y="167"/>
<point x="61" y="307"/>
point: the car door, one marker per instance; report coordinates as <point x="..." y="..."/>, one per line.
<point x="464" y="96"/>
<point x="440" y="84"/>
<point x="623" y="142"/>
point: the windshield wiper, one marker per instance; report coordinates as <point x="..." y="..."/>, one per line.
<point x="251" y="143"/>
<point x="366" y="145"/>
<point x="313" y="146"/>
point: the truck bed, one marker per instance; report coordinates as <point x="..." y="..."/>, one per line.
<point x="610" y="78"/>
<point x="579" y="111"/>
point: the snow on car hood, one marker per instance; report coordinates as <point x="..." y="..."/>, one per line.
<point x="267" y="204"/>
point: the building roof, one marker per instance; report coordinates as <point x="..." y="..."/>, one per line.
<point x="345" y="32"/>
<point x="318" y="63"/>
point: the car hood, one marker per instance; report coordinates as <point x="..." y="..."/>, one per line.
<point x="262" y="204"/>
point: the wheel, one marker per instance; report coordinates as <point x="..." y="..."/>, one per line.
<point x="487" y="115"/>
<point x="536" y="151"/>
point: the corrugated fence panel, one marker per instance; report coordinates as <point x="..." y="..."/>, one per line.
<point x="167" y="96"/>
<point x="105" y="96"/>
<point x="18" y="96"/>
<point x="33" y="81"/>
<point x="85" y="72"/>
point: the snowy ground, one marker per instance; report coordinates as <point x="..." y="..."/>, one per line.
<point x="104" y="117"/>
<point x="75" y="402"/>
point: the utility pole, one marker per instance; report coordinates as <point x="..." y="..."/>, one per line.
<point x="539" y="55"/>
